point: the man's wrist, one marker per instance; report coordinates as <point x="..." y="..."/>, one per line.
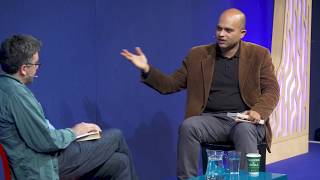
<point x="146" y="69"/>
<point x="72" y="131"/>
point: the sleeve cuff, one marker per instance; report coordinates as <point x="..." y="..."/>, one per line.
<point x="144" y="75"/>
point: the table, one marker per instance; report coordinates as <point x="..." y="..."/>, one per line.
<point x="243" y="175"/>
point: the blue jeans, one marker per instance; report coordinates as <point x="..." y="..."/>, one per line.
<point x="105" y="158"/>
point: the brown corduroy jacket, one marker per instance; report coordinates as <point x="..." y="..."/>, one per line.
<point x="258" y="84"/>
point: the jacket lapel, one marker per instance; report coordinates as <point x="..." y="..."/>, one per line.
<point x="244" y="65"/>
<point x="207" y="65"/>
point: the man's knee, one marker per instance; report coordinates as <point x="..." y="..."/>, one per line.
<point x="189" y="125"/>
<point x="115" y="134"/>
<point x="242" y="130"/>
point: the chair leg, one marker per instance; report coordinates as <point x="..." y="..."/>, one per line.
<point x="262" y="151"/>
<point x="204" y="159"/>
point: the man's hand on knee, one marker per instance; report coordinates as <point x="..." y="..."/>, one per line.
<point x="82" y="128"/>
<point x="253" y="116"/>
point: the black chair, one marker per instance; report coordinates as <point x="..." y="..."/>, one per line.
<point x="228" y="146"/>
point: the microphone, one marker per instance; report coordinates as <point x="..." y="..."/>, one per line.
<point x="34" y="76"/>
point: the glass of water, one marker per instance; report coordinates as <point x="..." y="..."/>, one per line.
<point x="234" y="162"/>
<point x="215" y="168"/>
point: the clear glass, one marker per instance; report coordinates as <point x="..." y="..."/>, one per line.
<point x="233" y="162"/>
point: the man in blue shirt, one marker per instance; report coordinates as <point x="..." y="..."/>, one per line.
<point x="35" y="149"/>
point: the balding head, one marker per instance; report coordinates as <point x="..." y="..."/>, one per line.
<point x="230" y="30"/>
<point x="237" y="15"/>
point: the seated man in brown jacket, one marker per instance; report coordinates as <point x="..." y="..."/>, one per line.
<point x="228" y="76"/>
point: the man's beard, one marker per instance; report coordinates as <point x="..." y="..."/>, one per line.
<point x="29" y="80"/>
<point x="225" y="49"/>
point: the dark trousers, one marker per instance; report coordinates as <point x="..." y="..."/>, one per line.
<point x="214" y="128"/>
<point x="105" y="158"/>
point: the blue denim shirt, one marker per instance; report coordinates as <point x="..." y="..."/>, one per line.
<point x="28" y="138"/>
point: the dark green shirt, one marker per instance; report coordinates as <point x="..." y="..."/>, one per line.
<point x="28" y="138"/>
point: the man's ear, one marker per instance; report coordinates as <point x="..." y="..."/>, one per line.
<point x="23" y="70"/>
<point x="243" y="33"/>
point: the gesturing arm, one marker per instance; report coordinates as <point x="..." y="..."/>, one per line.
<point x="164" y="84"/>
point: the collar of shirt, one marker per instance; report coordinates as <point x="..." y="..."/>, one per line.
<point x="10" y="76"/>
<point x="219" y="53"/>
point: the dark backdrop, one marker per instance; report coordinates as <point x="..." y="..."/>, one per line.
<point x="314" y="72"/>
<point x="84" y="78"/>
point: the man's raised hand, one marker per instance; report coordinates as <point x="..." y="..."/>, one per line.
<point x="138" y="59"/>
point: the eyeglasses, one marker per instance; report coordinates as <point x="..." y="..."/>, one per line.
<point x="34" y="64"/>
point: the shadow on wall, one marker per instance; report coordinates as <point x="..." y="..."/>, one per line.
<point x="154" y="145"/>
<point x="66" y="115"/>
<point x="93" y="112"/>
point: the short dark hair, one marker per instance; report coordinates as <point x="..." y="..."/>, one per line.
<point x="16" y="51"/>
